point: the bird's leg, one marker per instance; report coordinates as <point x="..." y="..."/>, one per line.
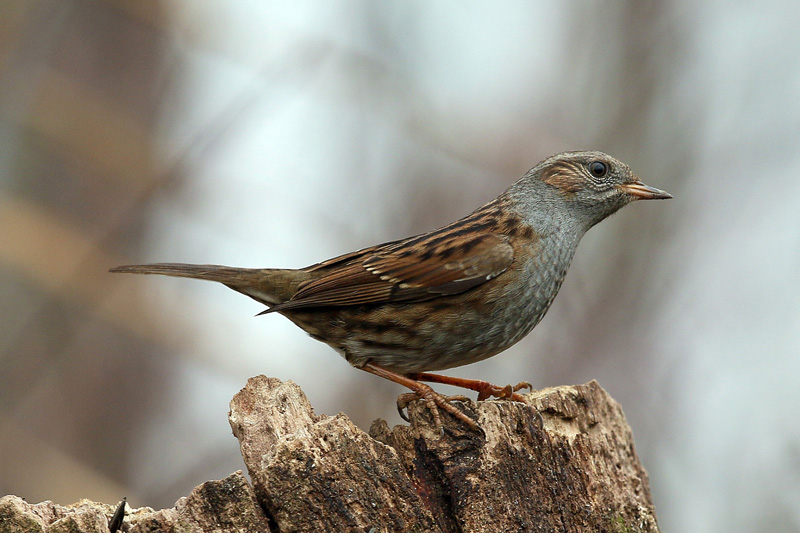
<point x="483" y="388"/>
<point x="433" y="400"/>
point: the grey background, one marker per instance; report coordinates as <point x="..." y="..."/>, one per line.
<point x="270" y="134"/>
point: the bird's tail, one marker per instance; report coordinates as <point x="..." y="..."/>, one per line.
<point x="269" y="286"/>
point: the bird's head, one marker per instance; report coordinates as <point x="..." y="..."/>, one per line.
<point x="593" y="185"/>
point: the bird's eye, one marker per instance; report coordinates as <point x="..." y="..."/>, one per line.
<point x="598" y="169"/>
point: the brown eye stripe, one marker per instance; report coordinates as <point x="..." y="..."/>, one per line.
<point x="565" y="177"/>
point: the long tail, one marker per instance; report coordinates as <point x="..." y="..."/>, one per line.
<point x="269" y="286"/>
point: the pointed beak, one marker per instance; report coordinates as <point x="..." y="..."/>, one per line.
<point x="640" y="191"/>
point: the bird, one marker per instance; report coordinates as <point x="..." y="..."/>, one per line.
<point x="452" y="296"/>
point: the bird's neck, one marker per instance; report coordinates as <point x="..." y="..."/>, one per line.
<point x="547" y="211"/>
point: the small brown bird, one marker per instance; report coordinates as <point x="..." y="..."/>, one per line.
<point x="452" y="296"/>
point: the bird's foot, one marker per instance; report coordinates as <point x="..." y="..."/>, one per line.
<point x="435" y="401"/>
<point x="421" y="391"/>
<point x="508" y="392"/>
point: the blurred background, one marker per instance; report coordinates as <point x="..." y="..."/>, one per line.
<point x="279" y="134"/>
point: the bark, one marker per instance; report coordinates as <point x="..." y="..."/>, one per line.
<point x="565" y="461"/>
<point x="225" y="505"/>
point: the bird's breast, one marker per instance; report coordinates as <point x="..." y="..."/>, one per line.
<point x="448" y="331"/>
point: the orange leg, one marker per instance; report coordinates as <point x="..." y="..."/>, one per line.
<point x="433" y="400"/>
<point x="483" y="388"/>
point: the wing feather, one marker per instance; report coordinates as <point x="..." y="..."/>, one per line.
<point x="444" y="262"/>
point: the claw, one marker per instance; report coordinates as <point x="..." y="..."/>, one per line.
<point x="523" y="385"/>
<point x="402" y="404"/>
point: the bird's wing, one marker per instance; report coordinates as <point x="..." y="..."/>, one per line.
<point x="444" y="262"/>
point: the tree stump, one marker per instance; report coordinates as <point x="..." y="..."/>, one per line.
<point x="565" y="461"/>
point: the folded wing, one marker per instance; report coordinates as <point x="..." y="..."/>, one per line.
<point x="445" y="262"/>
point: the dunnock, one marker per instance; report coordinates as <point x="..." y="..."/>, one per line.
<point x="452" y="296"/>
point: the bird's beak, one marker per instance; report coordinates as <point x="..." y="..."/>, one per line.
<point x="640" y="191"/>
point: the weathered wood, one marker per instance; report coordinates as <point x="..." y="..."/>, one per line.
<point x="225" y="505"/>
<point x="565" y="461"/>
<point x="320" y="473"/>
